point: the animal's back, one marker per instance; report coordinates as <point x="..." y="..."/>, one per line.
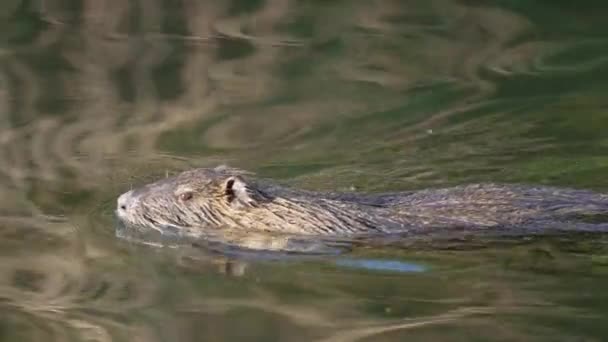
<point x="486" y="205"/>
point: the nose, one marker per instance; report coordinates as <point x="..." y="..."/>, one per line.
<point x="125" y="201"/>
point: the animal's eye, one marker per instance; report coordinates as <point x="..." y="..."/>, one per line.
<point x="186" y="196"/>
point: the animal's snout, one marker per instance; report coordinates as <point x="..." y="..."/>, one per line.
<point x="125" y="202"/>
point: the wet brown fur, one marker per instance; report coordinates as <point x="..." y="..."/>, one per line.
<point x="225" y="199"/>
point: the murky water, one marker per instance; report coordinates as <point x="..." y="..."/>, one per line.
<point x="98" y="96"/>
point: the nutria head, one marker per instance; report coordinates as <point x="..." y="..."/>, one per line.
<point x="189" y="203"/>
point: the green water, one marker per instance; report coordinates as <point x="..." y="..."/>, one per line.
<point x="99" y="96"/>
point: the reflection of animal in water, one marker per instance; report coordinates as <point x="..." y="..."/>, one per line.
<point x="227" y="201"/>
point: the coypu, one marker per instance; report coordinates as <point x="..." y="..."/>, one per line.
<point x="202" y="201"/>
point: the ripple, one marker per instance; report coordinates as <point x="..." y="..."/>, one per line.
<point x="98" y="96"/>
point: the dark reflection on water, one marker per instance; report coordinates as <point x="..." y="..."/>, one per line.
<point x="98" y="96"/>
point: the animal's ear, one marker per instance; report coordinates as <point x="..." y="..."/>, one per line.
<point x="237" y="192"/>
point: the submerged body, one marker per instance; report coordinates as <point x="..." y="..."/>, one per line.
<point x="209" y="201"/>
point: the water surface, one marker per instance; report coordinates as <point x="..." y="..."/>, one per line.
<point x="99" y="96"/>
